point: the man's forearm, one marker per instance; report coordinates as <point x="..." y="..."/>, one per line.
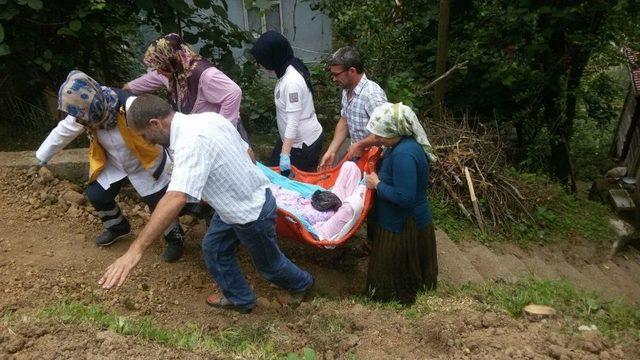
<point x="167" y="210"/>
<point x="339" y="135"/>
<point x="367" y="142"/>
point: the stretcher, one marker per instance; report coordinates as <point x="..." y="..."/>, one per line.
<point x="289" y="226"/>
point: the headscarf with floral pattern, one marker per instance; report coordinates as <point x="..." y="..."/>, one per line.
<point x="92" y="105"/>
<point x="170" y="54"/>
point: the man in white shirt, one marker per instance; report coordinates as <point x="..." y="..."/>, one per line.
<point x="211" y="163"/>
<point x="360" y="96"/>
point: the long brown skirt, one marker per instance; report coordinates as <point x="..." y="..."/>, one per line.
<point x="401" y="264"/>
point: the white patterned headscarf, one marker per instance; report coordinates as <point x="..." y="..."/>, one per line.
<point x="391" y="120"/>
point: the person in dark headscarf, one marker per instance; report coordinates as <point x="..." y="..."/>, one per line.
<point x="195" y="86"/>
<point x="301" y="135"/>
<point x="115" y="154"/>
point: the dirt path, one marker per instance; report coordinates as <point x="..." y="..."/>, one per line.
<point x="47" y="254"/>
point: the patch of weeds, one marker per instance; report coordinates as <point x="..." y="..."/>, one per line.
<point x="579" y="307"/>
<point x="333" y="324"/>
<point x="378" y="305"/>
<point x="245" y="341"/>
<point x="307" y="354"/>
<point x="447" y="218"/>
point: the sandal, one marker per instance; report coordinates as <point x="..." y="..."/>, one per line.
<point x="221" y="302"/>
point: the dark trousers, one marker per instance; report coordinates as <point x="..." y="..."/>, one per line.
<point x="305" y="158"/>
<point x="105" y="204"/>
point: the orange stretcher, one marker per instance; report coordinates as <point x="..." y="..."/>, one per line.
<point x="288" y="226"/>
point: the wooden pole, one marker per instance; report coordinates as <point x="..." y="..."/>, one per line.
<point x="474" y="199"/>
<point x="441" y="55"/>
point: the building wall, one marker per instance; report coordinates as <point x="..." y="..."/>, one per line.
<point x="308" y="31"/>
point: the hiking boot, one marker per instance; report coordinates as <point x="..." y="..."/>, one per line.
<point x="175" y="245"/>
<point x="109" y="236"/>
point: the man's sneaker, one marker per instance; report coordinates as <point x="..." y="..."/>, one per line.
<point x="175" y="245"/>
<point x="108" y="237"/>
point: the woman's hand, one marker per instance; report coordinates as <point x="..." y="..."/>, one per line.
<point x="371" y="180"/>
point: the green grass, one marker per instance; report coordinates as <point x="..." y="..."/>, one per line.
<point x="613" y="318"/>
<point x="242" y="341"/>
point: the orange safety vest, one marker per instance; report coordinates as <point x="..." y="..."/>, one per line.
<point x="143" y="150"/>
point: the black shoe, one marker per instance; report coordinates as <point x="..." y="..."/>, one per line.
<point x="108" y="237"/>
<point x="175" y="245"/>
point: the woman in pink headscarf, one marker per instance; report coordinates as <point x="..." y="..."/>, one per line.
<point x="195" y="86"/>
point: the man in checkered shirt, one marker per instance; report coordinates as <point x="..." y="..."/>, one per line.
<point x="360" y="96"/>
<point x="212" y="163"/>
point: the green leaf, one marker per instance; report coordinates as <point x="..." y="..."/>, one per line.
<point x="1" y="33"/>
<point x="8" y="13"/>
<point x="3" y="2"/>
<point x="145" y="4"/>
<point x="179" y="5"/>
<point x="309" y="354"/>
<point x="35" y="4"/>
<point x="47" y="54"/>
<point x="4" y="50"/>
<point x="190" y="38"/>
<point x="46" y="66"/>
<point x="204" y="4"/>
<point x="66" y="31"/>
<point x="220" y="11"/>
<point x="75" y="25"/>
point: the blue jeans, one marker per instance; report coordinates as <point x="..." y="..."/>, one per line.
<point x="259" y="237"/>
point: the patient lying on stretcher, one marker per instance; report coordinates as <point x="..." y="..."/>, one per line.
<point x="332" y="214"/>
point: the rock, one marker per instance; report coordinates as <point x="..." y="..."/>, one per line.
<point x="329" y="355"/>
<point x="45" y="176"/>
<point x="349" y="343"/>
<point x="558" y="352"/>
<point x="14" y="345"/>
<point x="474" y="320"/>
<point x="591" y="342"/>
<point x="605" y="356"/>
<point x="74" y="197"/>
<point x="490" y="319"/>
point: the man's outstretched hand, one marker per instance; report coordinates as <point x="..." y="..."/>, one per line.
<point x="117" y="272"/>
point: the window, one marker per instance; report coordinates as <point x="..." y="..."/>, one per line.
<point x="261" y="15"/>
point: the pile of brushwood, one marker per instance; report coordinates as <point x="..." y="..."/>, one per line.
<point x="471" y="172"/>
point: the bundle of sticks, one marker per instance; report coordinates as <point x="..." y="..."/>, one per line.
<point x="470" y="172"/>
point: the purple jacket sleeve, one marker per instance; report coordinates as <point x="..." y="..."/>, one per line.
<point x="148" y="82"/>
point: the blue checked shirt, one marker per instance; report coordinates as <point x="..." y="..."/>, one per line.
<point x="210" y="163"/>
<point x="367" y="96"/>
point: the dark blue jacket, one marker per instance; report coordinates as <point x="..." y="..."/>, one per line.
<point x="402" y="192"/>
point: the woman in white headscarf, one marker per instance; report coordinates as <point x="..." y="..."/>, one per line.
<point x="403" y="248"/>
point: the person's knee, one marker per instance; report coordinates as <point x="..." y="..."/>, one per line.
<point x="98" y="197"/>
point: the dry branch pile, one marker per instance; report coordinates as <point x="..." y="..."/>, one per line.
<point x="470" y="171"/>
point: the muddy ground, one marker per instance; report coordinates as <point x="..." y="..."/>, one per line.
<point x="47" y="255"/>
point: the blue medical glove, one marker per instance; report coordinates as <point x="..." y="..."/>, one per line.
<point x="285" y="163"/>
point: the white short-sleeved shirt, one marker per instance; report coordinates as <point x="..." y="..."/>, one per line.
<point x="121" y="162"/>
<point x="296" y="115"/>
<point x="210" y="163"/>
